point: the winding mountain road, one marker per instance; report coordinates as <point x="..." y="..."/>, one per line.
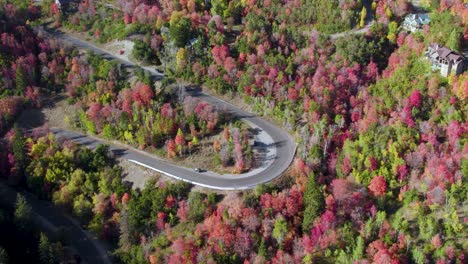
<point x="276" y="145"/>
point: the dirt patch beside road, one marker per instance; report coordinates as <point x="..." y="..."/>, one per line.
<point x="138" y="176"/>
<point x="54" y="113"/>
<point x="121" y="48"/>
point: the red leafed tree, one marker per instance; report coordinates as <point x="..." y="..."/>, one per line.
<point x="406" y="115"/>
<point x="180" y="141"/>
<point x="293" y="202"/>
<point x="183" y="211"/>
<point x="226" y="134"/>
<point x="180" y="138"/>
<point x="415" y="98"/>
<point x="250" y="220"/>
<point x="378" y="186"/>
<point x="243" y="243"/>
<point x="125" y="198"/>
<point x="94" y="111"/>
<point x="97" y="33"/>
<point x="127" y="106"/>
<point x="216" y="145"/>
<point x="402" y="171"/>
<point x="101" y="204"/>
<point x="220" y="53"/>
<point x="127" y="19"/>
<point x="230" y="65"/>
<point x="33" y="94"/>
<point x="10" y="106"/>
<point x="54" y="9"/>
<point x="170" y="201"/>
<point x="156" y="42"/>
<point x="167" y="111"/>
<point x="380" y="252"/>
<point x="436" y="241"/>
<point x="171" y="148"/>
<point x="454" y="131"/>
<point x="184" y="251"/>
<point x="293" y="94"/>
<point x="191" y="5"/>
<point x="342" y="189"/>
<point x="372" y="71"/>
<point x="114" y="200"/>
<point x="161" y="220"/>
<point x="142" y="93"/>
<point x="239" y="166"/>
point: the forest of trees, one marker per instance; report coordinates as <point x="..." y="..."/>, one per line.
<point x="382" y="152"/>
<point x="22" y="241"/>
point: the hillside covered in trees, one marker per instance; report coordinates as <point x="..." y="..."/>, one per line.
<point x="381" y="165"/>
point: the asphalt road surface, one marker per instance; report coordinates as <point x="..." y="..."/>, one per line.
<point x="276" y="144"/>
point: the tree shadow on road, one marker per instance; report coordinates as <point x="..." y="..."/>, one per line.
<point x="118" y="152"/>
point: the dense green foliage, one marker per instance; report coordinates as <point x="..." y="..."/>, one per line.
<point x="447" y="30"/>
<point x="313" y="203"/>
<point x="21" y="241"/>
<point x="143" y="52"/>
<point x="181" y="30"/>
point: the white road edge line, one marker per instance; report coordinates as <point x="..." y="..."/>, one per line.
<point x="189" y="181"/>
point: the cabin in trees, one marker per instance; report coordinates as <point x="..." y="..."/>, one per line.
<point x="445" y="59"/>
<point x="414" y="22"/>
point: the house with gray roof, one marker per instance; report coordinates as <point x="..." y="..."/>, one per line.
<point x="445" y="59"/>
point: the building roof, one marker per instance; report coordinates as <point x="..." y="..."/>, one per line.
<point x="445" y="53"/>
<point x="455" y="57"/>
<point x="417" y="19"/>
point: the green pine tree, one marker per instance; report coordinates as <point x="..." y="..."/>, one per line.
<point x="454" y="42"/>
<point x="279" y="230"/>
<point x="181" y="30"/>
<point x="262" y="250"/>
<point x="19" y="151"/>
<point x="313" y="203"/>
<point x="21" y="80"/>
<point x="3" y="256"/>
<point x="22" y="212"/>
<point x="46" y="250"/>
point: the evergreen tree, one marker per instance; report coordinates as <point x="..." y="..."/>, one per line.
<point x="262" y="250"/>
<point x="3" y="256"/>
<point x="219" y="7"/>
<point x="181" y="30"/>
<point x="454" y="40"/>
<point x="313" y="203"/>
<point x="46" y="250"/>
<point x="358" y="251"/>
<point x="362" y="22"/>
<point x="21" y="80"/>
<point x="19" y="151"/>
<point x="22" y="212"/>
<point x="279" y="230"/>
<point x="197" y="206"/>
<point x="125" y="236"/>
